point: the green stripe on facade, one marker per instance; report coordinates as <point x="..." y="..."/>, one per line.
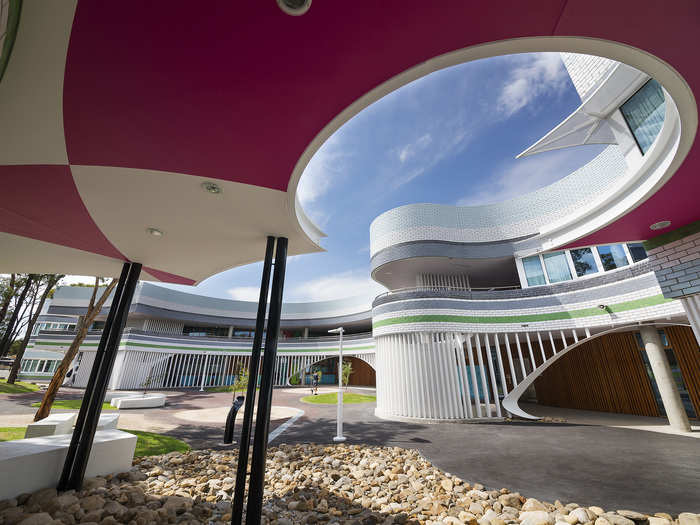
<point x="530" y="318"/>
<point x="15" y="9"/>
<point x="675" y="235"/>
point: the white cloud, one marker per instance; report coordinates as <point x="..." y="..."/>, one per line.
<point x="410" y="149"/>
<point x="354" y="283"/>
<point x="420" y="156"/>
<point x="538" y="74"/>
<point x="322" y="172"/>
<point x="244" y="293"/>
<point x="523" y="176"/>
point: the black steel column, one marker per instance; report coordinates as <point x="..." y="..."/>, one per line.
<point x="82" y="454"/>
<point x="94" y="372"/>
<point x="254" y="366"/>
<point x="262" y="420"/>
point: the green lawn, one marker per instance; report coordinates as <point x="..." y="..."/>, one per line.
<point x="73" y="404"/>
<point x="150" y="444"/>
<point x="18" y="388"/>
<point x="147" y="443"/>
<point x="12" y="433"/>
<point x="332" y="398"/>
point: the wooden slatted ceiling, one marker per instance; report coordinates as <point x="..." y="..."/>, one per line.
<point x="606" y="374"/>
<point x="687" y="352"/>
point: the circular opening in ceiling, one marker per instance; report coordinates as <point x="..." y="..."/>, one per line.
<point x="294" y="7"/>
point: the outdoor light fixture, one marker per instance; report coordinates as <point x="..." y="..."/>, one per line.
<point x="294" y="7"/>
<point x="155" y="232"/>
<point x="339" y="437"/>
<point x="660" y="225"/>
<point x="211" y="187"/>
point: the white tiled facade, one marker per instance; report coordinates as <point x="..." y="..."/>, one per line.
<point x="586" y="70"/>
<point x="515" y="218"/>
<point x="465" y="308"/>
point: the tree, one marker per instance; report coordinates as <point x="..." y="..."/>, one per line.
<point x="44" y="287"/>
<point x="93" y="309"/>
<point x="7" y="292"/>
<point x="11" y="326"/>
<point x="347" y="371"/>
<point x="241" y="382"/>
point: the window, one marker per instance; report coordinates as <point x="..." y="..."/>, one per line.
<point x="557" y="267"/>
<point x="533" y="271"/>
<point x="637" y="251"/>
<point x="612" y="256"/>
<point x="205" y="331"/>
<point x="584" y="261"/>
<point x="644" y="113"/>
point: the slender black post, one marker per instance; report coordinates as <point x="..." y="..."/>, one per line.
<point x="254" y="366"/>
<point x="262" y="420"/>
<point x="97" y="396"/>
<point x="94" y="372"/>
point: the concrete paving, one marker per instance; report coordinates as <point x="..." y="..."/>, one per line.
<point x="616" y="468"/>
<point x="590" y="464"/>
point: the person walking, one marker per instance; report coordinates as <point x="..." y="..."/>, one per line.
<point x="314" y="383"/>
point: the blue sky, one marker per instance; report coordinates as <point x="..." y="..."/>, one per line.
<point x="450" y="138"/>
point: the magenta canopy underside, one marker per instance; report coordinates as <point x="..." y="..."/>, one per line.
<point x="236" y="91"/>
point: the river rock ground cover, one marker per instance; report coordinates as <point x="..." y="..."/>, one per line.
<point x="306" y="484"/>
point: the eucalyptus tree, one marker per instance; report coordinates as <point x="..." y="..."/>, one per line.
<point x="43" y="288"/>
<point x="84" y="322"/>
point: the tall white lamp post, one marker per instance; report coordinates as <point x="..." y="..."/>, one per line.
<point x="339" y="438"/>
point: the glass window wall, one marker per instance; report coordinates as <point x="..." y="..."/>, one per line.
<point x="612" y="256"/>
<point x="584" y="261"/>
<point x="644" y="113"/>
<point x="557" y="267"/>
<point x="533" y="271"/>
<point x="637" y="251"/>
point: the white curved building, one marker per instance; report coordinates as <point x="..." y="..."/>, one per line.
<point x="489" y="304"/>
<point x="181" y="340"/>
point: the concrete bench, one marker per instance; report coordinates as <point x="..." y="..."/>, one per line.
<point x="51" y="425"/>
<point x="142" y="401"/>
<point x="108" y="421"/>
<point x="28" y="465"/>
<point x="114" y="394"/>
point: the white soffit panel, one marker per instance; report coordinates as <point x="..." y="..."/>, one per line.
<point x="223" y="230"/>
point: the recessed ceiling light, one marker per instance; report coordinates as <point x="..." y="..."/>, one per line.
<point x="211" y="187"/>
<point x="155" y="232"/>
<point x="660" y="225"/>
<point x="294" y="7"/>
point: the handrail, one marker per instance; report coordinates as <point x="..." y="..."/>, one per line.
<point x="351" y="337"/>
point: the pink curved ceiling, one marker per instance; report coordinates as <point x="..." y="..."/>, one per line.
<point x="238" y="90"/>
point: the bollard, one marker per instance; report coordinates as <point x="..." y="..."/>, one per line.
<point x="231" y="419"/>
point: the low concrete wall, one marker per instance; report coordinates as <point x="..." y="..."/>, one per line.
<point x="28" y="465"/>
<point x="51" y="425"/>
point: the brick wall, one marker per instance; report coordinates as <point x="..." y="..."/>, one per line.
<point x="677" y="266"/>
